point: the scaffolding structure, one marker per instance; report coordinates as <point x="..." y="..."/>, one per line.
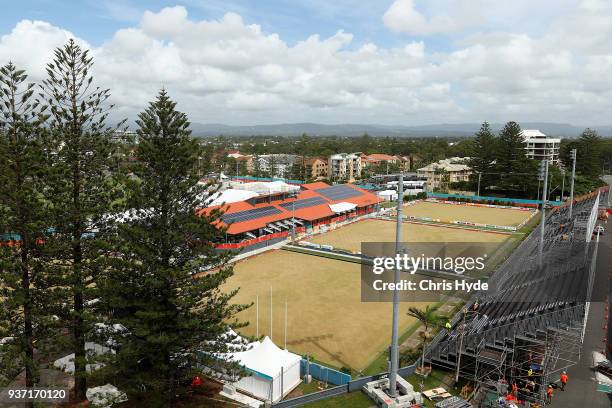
<point x="531" y="327"/>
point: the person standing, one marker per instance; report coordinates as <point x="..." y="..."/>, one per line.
<point x="564" y="379"/>
<point x="549" y="393"/>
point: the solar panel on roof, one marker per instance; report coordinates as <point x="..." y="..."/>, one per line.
<point x="339" y="192"/>
<point x="304" y="203"/>
<point x="247" y="215"/>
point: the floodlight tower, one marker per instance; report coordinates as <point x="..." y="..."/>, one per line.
<point x="563" y="185"/>
<point x="573" y="156"/>
<point x="543" y="175"/>
<point x="394" y="330"/>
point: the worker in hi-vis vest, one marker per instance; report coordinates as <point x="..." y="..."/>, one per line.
<point x="564" y="379"/>
<point x="549" y="393"/>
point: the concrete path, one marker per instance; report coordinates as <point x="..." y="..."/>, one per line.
<point x="580" y="391"/>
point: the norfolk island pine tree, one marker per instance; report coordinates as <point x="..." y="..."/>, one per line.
<point x="175" y="322"/>
<point x="24" y="215"/>
<point x="81" y="189"/>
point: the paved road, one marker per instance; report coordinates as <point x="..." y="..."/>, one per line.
<point x="580" y="391"/>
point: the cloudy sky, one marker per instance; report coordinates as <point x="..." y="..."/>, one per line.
<point x="405" y="62"/>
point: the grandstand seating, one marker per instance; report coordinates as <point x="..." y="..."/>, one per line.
<point x="526" y="298"/>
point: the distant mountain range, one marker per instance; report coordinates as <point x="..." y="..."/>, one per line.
<point x="350" y="129"/>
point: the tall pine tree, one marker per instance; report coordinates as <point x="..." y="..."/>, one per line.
<point x="588" y="160"/>
<point x="82" y="189"/>
<point x="173" y="319"/>
<point x="23" y="217"/>
<point x="483" y="156"/>
<point x="516" y="171"/>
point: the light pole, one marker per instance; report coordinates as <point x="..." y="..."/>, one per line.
<point x="479" y="177"/>
<point x="544" y="176"/>
<point x="394" y="330"/>
<point x="573" y="156"/>
<point x="563" y="185"/>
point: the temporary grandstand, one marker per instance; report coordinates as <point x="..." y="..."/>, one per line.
<point x="530" y="325"/>
<point x="273" y="214"/>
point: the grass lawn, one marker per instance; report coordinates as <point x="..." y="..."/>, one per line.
<point x="303" y="389"/>
<point x="356" y="399"/>
<point x="433" y="380"/>
<point x="325" y="315"/>
<point x="351" y="236"/>
<point x="462" y="212"/>
<point x="359" y="399"/>
<point x="380" y="364"/>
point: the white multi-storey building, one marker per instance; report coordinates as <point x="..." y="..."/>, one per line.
<point x="538" y="146"/>
<point x="345" y="166"/>
<point x="278" y="165"/>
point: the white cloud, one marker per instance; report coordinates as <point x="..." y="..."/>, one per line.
<point x="167" y="23"/>
<point x="229" y="71"/>
<point x="402" y="16"/>
<point x="31" y="43"/>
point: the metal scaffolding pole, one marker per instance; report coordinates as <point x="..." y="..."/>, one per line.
<point x="573" y="155"/>
<point x="543" y="220"/>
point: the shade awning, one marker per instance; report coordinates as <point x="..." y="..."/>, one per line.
<point x="342" y="207"/>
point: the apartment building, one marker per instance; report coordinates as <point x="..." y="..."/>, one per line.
<point x="345" y="166"/>
<point x="277" y="165"/>
<point x="446" y="171"/>
<point x="316" y="168"/>
<point x="244" y="162"/>
<point x="538" y="146"/>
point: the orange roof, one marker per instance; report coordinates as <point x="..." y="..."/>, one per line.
<point x="309" y="213"/>
<point x="314" y="186"/>
<point x="376" y="157"/>
<point x="314" y="213"/>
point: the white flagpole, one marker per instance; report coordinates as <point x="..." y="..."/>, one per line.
<point x="257" y="314"/>
<point x="270" y="312"/>
<point x="285" y="324"/>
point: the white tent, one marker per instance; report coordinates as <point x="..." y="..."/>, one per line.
<point x="342" y="207"/>
<point x="266" y="187"/>
<point x="231" y="195"/>
<point x="66" y="363"/>
<point x="6" y="340"/>
<point x="388" y="195"/>
<point x="105" y="396"/>
<point x="265" y="362"/>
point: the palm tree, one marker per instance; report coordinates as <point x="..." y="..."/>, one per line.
<point x="428" y="318"/>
